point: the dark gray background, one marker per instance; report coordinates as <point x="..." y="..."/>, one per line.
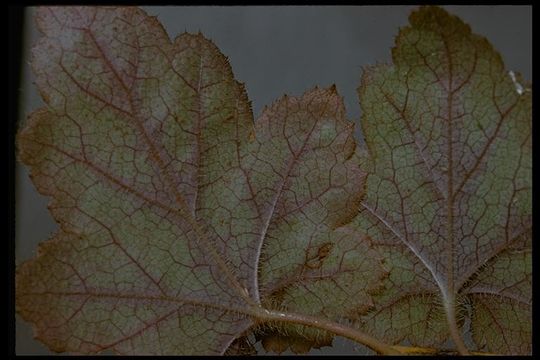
<point x="278" y="50"/>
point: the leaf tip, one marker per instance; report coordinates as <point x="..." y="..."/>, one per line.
<point x="435" y="18"/>
<point x="333" y="89"/>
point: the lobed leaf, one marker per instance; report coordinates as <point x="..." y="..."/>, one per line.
<point x="185" y="226"/>
<point x="179" y="216"/>
<point x="449" y="187"/>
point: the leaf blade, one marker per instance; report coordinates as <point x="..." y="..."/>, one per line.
<point x="146" y="148"/>
<point x="449" y="136"/>
<point x="92" y="158"/>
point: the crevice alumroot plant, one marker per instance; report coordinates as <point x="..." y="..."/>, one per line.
<point x="188" y="227"/>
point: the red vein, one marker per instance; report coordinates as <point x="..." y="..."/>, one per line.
<point x="110" y="178"/>
<point x="138" y="332"/>
<point x="183" y="207"/>
<point x="478" y="290"/>
<point x="198" y="131"/>
<point x="499" y="249"/>
<point x="277" y="196"/>
<point x="501" y="329"/>
<point x="402" y="298"/>
<point x="409" y="245"/>
<point x="405" y="119"/>
<point x="124" y="250"/>
<point x="485" y="149"/>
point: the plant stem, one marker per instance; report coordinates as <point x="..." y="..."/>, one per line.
<point x="413" y="350"/>
<point x="450" y="309"/>
<point x="333" y="327"/>
<point x="363" y="338"/>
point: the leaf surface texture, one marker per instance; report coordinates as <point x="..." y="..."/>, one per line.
<point x="179" y="214"/>
<point x="448" y="199"/>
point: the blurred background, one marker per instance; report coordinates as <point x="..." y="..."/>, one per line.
<point x="274" y="50"/>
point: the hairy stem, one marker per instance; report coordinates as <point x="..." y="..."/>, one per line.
<point x="333" y="327"/>
<point x="450" y="310"/>
<point x="367" y="340"/>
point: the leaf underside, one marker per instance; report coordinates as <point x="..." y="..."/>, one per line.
<point x="180" y="216"/>
<point x="448" y="199"/>
<point x="178" y="213"/>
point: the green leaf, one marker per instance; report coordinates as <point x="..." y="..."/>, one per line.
<point x="501" y="296"/>
<point x="448" y="130"/>
<point x="178" y="214"/>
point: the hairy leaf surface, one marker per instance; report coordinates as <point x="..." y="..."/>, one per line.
<point x="448" y="199"/>
<point x="180" y="217"/>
